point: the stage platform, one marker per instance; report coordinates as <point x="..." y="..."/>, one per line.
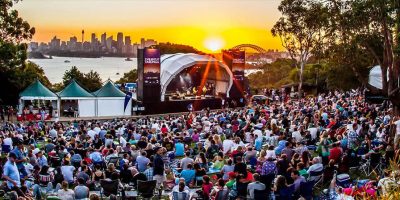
<point x="182" y="105"/>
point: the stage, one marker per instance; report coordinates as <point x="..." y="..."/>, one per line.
<point x="181" y="105"/>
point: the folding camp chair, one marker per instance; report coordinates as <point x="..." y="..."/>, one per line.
<point x="146" y="188"/>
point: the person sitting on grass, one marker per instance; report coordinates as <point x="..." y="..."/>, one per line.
<point x="188" y="174"/>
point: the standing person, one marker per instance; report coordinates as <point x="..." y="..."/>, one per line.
<point x="20" y="158"/>
<point x="11" y="173"/>
<point x="158" y="162"/>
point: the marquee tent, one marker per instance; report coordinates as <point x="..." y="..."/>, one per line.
<point x="75" y="97"/>
<point x="37" y="95"/>
<point x="375" y="77"/>
<point x="173" y="64"/>
<point x="110" y="101"/>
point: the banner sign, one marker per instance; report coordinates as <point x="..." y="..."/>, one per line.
<point x="151" y="66"/>
<point x="128" y="97"/>
<point x="238" y="65"/>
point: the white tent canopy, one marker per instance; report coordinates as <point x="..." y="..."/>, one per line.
<point x="375" y="77"/>
<point x="173" y="64"/>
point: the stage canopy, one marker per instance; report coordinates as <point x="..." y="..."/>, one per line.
<point x="173" y="64"/>
<point x="38" y="96"/>
<point x="375" y="77"/>
<point x="85" y="101"/>
<point x="110" y="101"/>
<point x="37" y="91"/>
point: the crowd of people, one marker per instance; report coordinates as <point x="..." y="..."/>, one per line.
<point x="283" y="149"/>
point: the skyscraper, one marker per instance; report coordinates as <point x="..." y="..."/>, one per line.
<point x="103" y="39"/>
<point x="120" y="42"/>
<point x="93" y="39"/>
<point x="55" y="43"/>
<point x="109" y="43"/>
<point x="128" y="45"/>
<point x="83" y="35"/>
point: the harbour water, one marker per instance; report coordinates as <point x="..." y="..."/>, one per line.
<point x="107" y="67"/>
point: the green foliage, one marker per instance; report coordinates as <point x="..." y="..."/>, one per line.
<point x="300" y="28"/>
<point x="15" y="73"/>
<point x="128" y="77"/>
<point x="170" y="48"/>
<point x="90" y="81"/>
<point x="272" y="75"/>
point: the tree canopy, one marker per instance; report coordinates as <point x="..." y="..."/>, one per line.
<point x="90" y="81"/>
<point x="15" y="73"/>
<point x="128" y="77"/>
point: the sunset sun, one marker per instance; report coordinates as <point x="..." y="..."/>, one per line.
<point x="214" y="44"/>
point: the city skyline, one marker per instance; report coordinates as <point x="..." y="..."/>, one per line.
<point x="206" y="25"/>
<point x="103" y="45"/>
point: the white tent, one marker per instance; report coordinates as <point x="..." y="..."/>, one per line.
<point x="173" y="64"/>
<point x="110" y="101"/>
<point x="38" y="95"/>
<point x="79" y="99"/>
<point x="375" y="77"/>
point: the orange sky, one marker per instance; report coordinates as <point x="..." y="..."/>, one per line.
<point x="192" y="22"/>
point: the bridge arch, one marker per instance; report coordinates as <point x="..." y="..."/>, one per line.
<point x="251" y="46"/>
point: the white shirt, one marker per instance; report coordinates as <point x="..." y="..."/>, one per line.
<point x="258" y="132"/>
<point x="227" y="145"/>
<point x="297" y="136"/>
<point x="8" y="141"/>
<point x="97" y="130"/>
<point x="122" y="141"/>
<point x="313" y="132"/>
<point x="91" y="133"/>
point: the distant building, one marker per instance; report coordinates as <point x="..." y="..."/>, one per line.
<point x="109" y="43"/>
<point x="72" y="44"/>
<point x="120" y="42"/>
<point x="128" y="45"/>
<point x="64" y="46"/>
<point x="33" y="46"/>
<point x="103" y="39"/>
<point x="86" y="46"/>
<point x="55" y="43"/>
<point x="43" y="47"/>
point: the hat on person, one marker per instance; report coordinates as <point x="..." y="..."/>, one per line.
<point x="36" y="151"/>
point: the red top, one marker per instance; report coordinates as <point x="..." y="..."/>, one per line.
<point x="335" y="154"/>
<point x="207" y="189"/>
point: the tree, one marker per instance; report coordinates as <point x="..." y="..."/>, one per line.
<point x="73" y="73"/>
<point x="90" y="81"/>
<point x="128" y="77"/>
<point x="13" y="32"/>
<point x="300" y="29"/>
<point x="372" y="28"/>
<point x="15" y="73"/>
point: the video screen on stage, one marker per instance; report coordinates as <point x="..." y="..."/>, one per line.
<point x="238" y="65"/>
<point x="151" y="67"/>
<point x="198" y="82"/>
